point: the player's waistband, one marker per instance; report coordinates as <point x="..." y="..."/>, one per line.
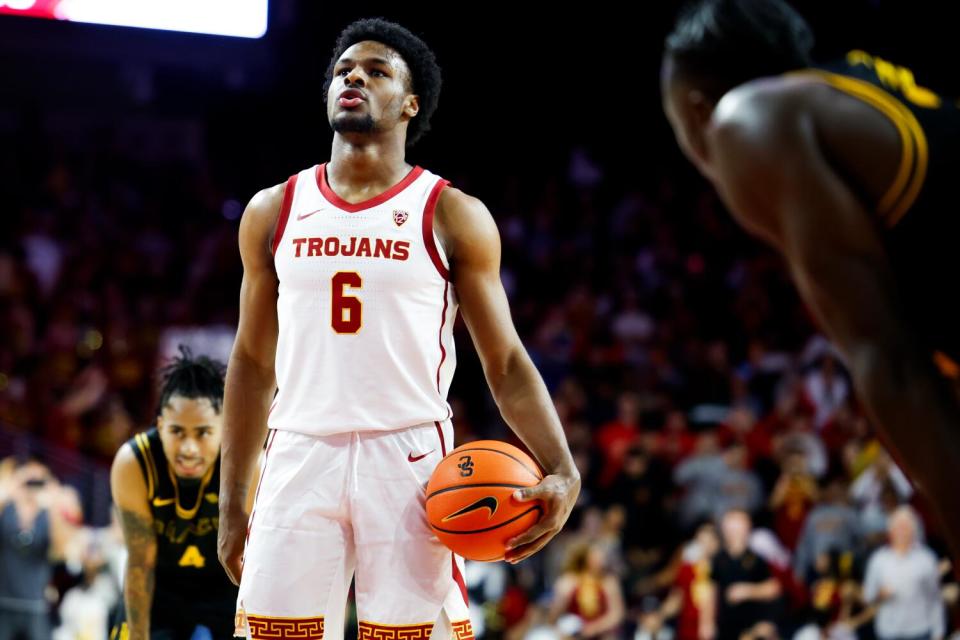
<point x="321" y="432"/>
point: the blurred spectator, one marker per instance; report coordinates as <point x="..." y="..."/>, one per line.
<point x="826" y="388"/>
<point x="697" y="477"/>
<point x="831" y="527"/>
<point x="903" y="580"/>
<point x="834" y="597"/>
<point x="486" y="584"/>
<point x="640" y="488"/>
<point x="716" y="483"/>
<point x="615" y="437"/>
<point x="744" y="590"/>
<point x="85" y="609"/>
<point x="35" y="529"/>
<point x="800" y="436"/>
<point x="588" y="590"/>
<point x="738" y="487"/>
<point x="867" y="489"/>
<point x="742" y="424"/>
<point x="689" y="595"/>
<point x="792" y="498"/>
<point x="674" y="442"/>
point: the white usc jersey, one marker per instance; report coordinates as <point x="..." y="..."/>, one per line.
<point x="365" y="307"/>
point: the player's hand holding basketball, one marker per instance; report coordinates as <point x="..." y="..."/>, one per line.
<point x="559" y="492"/>
<point x="231" y="538"/>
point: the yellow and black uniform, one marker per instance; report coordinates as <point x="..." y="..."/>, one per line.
<point x="921" y="229"/>
<point x="191" y="587"/>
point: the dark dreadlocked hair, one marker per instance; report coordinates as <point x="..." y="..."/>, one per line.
<point x="724" y="43"/>
<point x="192" y="377"/>
<point x="424" y="71"/>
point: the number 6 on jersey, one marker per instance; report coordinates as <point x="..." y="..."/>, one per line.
<point x="346" y="312"/>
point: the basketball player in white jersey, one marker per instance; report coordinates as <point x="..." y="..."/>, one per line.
<point x="353" y="273"/>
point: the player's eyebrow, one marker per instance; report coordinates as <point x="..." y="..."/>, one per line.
<point x="368" y="60"/>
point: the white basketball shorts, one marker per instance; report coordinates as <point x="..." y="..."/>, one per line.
<point x="331" y="508"/>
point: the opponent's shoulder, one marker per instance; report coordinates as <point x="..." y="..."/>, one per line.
<point x="763" y="113"/>
<point x="127" y="482"/>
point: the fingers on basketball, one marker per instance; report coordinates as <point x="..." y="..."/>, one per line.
<point x="471" y="505"/>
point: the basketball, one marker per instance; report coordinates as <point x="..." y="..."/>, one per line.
<point x="470" y="504"/>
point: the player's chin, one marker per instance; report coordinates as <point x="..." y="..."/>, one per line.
<point x="189" y="470"/>
<point x="354" y="120"/>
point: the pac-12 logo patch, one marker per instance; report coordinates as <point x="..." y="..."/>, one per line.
<point x="399" y="216"/>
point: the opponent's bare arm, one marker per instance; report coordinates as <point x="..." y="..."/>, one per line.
<point x="472" y="243"/>
<point x="131" y="501"/>
<point x="251" y="381"/>
<point x="776" y="179"/>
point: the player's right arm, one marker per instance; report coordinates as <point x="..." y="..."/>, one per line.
<point x="251" y="379"/>
<point x="779" y="182"/>
<point x="131" y="501"/>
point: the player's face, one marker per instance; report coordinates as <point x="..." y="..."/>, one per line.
<point x="190" y="430"/>
<point x="685" y="114"/>
<point x="370" y="90"/>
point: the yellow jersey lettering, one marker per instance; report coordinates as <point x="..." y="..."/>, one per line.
<point x="897" y="78"/>
<point x="192" y="558"/>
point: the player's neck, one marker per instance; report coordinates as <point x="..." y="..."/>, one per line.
<point x="368" y="164"/>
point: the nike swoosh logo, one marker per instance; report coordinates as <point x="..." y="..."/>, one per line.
<point x="303" y="216"/>
<point x="483" y="503"/>
<point x="413" y="458"/>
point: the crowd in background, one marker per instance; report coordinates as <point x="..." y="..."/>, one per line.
<point x="732" y="486"/>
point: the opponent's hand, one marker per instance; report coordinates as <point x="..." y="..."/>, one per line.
<point x="231" y="538"/>
<point x="558" y="492"/>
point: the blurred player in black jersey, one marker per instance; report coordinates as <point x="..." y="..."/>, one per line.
<point x="165" y="483"/>
<point x="849" y="170"/>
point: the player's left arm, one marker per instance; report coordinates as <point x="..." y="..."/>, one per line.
<point x="780" y="184"/>
<point x="472" y="244"/>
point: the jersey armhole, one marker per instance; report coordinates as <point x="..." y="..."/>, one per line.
<point x="287" y="202"/>
<point x="429" y="237"/>
<point x="912" y="171"/>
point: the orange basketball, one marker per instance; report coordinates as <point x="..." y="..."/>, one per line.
<point x="470" y="503"/>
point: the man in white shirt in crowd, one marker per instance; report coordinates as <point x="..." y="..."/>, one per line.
<point x="903" y="581"/>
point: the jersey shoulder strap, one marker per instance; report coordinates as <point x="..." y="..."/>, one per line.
<point x="145" y="447"/>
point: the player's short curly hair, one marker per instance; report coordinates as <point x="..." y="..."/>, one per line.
<point x="424" y="70"/>
<point x="724" y="43"/>
<point x="192" y="377"/>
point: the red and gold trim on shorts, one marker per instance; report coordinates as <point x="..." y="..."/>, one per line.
<point x="462" y="630"/>
<point x="275" y="628"/>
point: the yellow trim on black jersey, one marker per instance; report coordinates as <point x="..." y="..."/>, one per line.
<point x="144" y="446"/>
<point x="188" y="514"/>
<point x="914" y="157"/>
<point x="152" y="463"/>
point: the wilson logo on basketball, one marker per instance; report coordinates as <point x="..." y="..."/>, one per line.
<point x="399" y="217"/>
<point x="490" y="503"/>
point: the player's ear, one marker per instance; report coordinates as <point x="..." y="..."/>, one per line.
<point x="411" y="106"/>
<point x="697" y="111"/>
<point x="699" y="107"/>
